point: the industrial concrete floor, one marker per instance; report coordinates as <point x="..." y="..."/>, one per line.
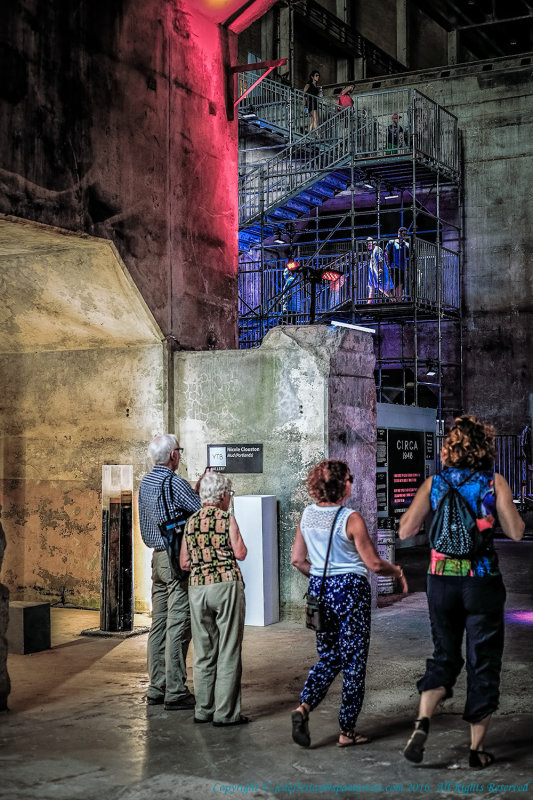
<point x="79" y="727"/>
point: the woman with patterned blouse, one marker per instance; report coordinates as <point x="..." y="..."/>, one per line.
<point x="344" y="645"/>
<point x="465" y="593"/>
<point x="211" y="547"/>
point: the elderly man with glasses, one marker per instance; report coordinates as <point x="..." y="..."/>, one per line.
<point x="170" y="633"/>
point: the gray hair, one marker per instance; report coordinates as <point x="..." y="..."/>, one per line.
<point x="213" y="487"/>
<point x="161" y="447"/>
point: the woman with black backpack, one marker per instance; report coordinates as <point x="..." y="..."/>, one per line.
<point x="464" y="586"/>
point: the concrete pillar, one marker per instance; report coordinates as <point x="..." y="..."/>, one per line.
<point x="342" y="70"/>
<point x="284" y="41"/>
<point x="341" y="10"/>
<point x="359" y="69"/>
<point x="453" y="46"/>
<point x="402" y="32"/>
<point x="306" y="394"/>
<point x="267" y="37"/>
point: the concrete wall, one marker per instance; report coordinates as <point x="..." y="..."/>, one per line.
<point x="305" y="394"/>
<point x="84" y="383"/>
<point x="74" y="412"/>
<point x="114" y="124"/>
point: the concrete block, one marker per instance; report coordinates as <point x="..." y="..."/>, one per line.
<point x="28" y="630"/>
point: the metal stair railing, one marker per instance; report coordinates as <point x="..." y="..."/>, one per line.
<point x="280" y="107"/>
<point x="270" y="101"/>
<point x="295" y="168"/>
<point x="427" y="127"/>
<point x="262" y="290"/>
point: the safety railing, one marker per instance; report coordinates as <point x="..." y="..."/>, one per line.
<point x="436" y="132"/>
<point x="368" y="274"/>
<point x="280" y="107"/>
<point x="384" y="123"/>
<point x="380" y="124"/>
<point x="436" y="282"/>
<point x="296" y="167"/>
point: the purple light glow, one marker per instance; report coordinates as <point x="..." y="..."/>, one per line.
<point x="522" y="617"/>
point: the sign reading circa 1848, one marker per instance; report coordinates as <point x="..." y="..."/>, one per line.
<point x="236" y="458"/>
<point x="406" y="467"/>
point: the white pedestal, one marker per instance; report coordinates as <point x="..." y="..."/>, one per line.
<point x="256" y="517"/>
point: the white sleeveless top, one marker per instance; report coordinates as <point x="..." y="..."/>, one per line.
<point x="343" y="557"/>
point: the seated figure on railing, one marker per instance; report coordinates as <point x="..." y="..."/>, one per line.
<point x="397" y="257"/>
<point x="380" y="286"/>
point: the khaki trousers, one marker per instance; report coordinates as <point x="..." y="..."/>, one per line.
<point x="170" y="634"/>
<point x="217" y="622"/>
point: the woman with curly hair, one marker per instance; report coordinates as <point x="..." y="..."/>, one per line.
<point x="346" y="599"/>
<point x="464" y="594"/>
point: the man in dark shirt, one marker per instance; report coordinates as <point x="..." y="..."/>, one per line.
<point x="397" y="138"/>
<point x="170" y="633"/>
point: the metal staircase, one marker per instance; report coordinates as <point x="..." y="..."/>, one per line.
<point x="316" y="165"/>
<point x="296" y="168"/>
<point x="315" y="196"/>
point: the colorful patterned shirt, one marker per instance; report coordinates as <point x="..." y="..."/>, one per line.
<point x="209" y="547"/>
<point x="479" y="492"/>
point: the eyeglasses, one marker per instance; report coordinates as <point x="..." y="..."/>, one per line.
<point x="178" y="450"/>
<point x="350" y="478"/>
<point x="231" y="492"/>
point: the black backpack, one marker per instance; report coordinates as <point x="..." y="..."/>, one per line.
<point x="454" y="530"/>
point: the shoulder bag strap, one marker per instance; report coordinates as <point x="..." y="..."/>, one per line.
<point x="327" y="554"/>
<point x="467" y="478"/>
<point x="441" y="476"/>
<point x="163" y="496"/>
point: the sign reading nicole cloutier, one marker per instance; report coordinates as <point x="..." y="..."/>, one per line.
<point x="235" y="458"/>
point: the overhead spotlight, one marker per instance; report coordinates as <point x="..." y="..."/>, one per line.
<point x="278" y="237"/>
<point x="390" y="196"/>
<point x="431" y="371"/>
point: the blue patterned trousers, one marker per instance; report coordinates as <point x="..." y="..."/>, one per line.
<point x="344" y="646"/>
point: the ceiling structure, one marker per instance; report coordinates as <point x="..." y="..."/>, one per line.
<point x="486" y="28"/>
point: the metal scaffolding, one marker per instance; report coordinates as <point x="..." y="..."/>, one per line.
<point x="330" y="200"/>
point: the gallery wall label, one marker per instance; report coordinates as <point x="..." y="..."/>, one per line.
<point x="236" y="458"/>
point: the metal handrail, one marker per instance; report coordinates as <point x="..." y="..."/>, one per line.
<point x="426" y="282"/>
<point x="296" y="167"/>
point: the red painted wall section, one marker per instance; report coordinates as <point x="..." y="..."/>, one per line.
<point x="203" y="167"/>
<point x="114" y="124"/>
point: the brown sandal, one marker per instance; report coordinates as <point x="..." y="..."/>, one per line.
<point x="353" y="739"/>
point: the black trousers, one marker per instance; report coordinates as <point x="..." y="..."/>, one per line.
<point x="474" y="605"/>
